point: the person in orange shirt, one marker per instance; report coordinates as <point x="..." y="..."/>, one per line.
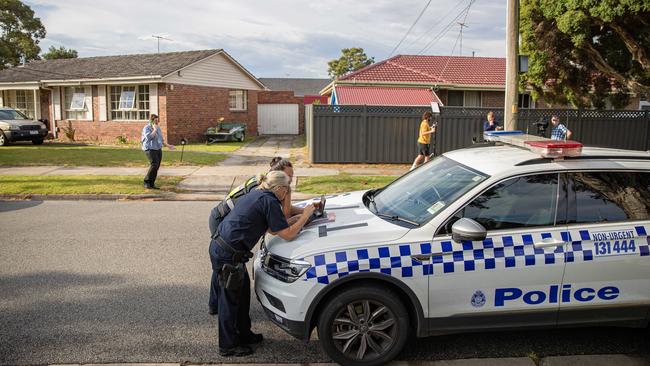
<point x="424" y="138"/>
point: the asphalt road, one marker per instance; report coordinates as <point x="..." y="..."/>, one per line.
<point x="104" y="282"/>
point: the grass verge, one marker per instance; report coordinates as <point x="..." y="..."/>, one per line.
<point x="341" y="183"/>
<point x="97" y="156"/>
<point x="83" y="184"/>
<point x="218" y="147"/>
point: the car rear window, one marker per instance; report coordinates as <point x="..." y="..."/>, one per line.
<point x="610" y="196"/>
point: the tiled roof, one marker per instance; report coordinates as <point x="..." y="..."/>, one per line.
<point x="104" y="66"/>
<point x="371" y="95"/>
<point x="299" y="86"/>
<point x="460" y="70"/>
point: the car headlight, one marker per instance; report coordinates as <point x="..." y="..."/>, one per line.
<point x="284" y="269"/>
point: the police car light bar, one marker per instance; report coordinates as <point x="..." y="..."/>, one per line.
<point x="545" y="147"/>
<point x="555" y="149"/>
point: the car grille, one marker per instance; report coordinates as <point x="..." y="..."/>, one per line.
<point x="30" y="127"/>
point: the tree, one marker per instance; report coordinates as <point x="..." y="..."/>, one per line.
<point x="54" y="53"/>
<point x="20" y="33"/>
<point x="352" y="59"/>
<point x="584" y="51"/>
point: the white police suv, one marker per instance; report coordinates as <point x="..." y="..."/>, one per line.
<point x="496" y="236"/>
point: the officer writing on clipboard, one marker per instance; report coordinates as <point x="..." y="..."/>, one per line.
<point x="255" y="213"/>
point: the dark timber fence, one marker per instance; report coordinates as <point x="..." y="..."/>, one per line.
<point x="388" y="134"/>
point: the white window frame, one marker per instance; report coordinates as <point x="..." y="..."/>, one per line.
<point x="76" y="98"/>
<point x="140" y="106"/>
<point x="28" y="104"/>
<point x="76" y="114"/>
<point x="127" y="99"/>
<point x="238" y="100"/>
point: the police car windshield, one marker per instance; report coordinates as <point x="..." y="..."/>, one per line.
<point x="424" y="192"/>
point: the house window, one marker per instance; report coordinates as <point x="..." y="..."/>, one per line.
<point x="525" y="101"/>
<point x="455" y="98"/>
<point x="237" y="100"/>
<point x="472" y="99"/>
<point x="129" y="102"/>
<point x="75" y="102"/>
<point x="21" y="100"/>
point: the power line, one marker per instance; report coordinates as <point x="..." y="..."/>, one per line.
<point x="437" y="23"/>
<point x="448" y="27"/>
<point x="410" y="29"/>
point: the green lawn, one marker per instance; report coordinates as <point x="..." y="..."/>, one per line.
<point x="84" y="184"/>
<point x="219" y="147"/>
<point x="52" y="154"/>
<point x="341" y="183"/>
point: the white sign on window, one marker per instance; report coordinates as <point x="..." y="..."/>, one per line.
<point x="78" y="101"/>
<point x="127" y="99"/>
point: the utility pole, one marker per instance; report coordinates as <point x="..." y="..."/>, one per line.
<point x="512" y="66"/>
<point x="159" y="38"/>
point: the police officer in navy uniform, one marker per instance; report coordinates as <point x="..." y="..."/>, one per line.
<point x="224" y="207"/>
<point x="255" y="213"/>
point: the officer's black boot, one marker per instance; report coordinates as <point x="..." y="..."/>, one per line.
<point x="238" y="351"/>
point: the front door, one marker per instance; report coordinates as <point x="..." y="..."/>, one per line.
<point x="607" y="276"/>
<point x="513" y="277"/>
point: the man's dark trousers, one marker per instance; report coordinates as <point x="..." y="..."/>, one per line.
<point x="155" y="157"/>
<point x="234" y="306"/>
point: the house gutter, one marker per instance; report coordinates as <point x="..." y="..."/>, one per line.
<point x="104" y="81"/>
<point x="335" y="83"/>
<point x="19" y="85"/>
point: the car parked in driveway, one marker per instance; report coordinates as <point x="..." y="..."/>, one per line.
<point x="15" y="126"/>
<point x="525" y="232"/>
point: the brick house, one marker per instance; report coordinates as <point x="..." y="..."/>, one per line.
<point x="110" y="96"/>
<point x="411" y="80"/>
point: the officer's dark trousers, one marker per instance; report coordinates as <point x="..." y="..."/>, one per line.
<point x="155" y="157"/>
<point x="234" y="306"/>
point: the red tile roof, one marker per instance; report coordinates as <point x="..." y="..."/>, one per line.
<point x="371" y="95"/>
<point x="460" y="70"/>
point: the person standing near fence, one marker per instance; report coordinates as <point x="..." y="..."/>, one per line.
<point x="424" y="139"/>
<point x="559" y="131"/>
<point x="490" y="124"/>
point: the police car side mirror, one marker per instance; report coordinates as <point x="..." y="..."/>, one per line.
<point x="467" y="229"/>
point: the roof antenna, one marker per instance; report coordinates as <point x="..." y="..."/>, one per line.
<point x="159" y="38"/>
<point x="462" y="25"/>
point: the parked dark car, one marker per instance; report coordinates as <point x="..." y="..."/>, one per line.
<point x="15" y="126"/>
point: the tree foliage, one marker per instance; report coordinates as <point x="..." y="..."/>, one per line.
<point x="352" y="59"/>
<point x="61" y="52"/>
<point x="20" y="33"/>
<point x="586" y="51"/>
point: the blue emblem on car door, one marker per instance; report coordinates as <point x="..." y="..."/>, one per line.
<point x="478" y="299"/>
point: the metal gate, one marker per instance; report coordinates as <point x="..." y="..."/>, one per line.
<point x="277" y="119"/>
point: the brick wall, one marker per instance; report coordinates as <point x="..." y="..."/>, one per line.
<point x="191" y="109"/>
<point x="285" y="97"/>
<point x="493" y="99"/>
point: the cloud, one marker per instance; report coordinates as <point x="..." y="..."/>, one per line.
<point x="270" y="38"/>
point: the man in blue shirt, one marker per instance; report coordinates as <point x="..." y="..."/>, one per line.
<point x="152" y="143"/>
<point x="559" y="131"/>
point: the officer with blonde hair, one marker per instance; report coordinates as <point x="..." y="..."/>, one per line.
<point x="256" y="213"/>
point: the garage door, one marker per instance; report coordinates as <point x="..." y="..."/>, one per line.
<point x="277" y="119"/>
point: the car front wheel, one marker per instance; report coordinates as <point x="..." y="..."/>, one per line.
<point x="365" y="325"/>
<point x="3" y="139"/>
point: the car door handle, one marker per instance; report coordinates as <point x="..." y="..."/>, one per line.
<point x="548" y="243"/>
<point x="421" y="257"/>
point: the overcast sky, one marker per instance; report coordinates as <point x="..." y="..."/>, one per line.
<point x="273" y="38"/>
